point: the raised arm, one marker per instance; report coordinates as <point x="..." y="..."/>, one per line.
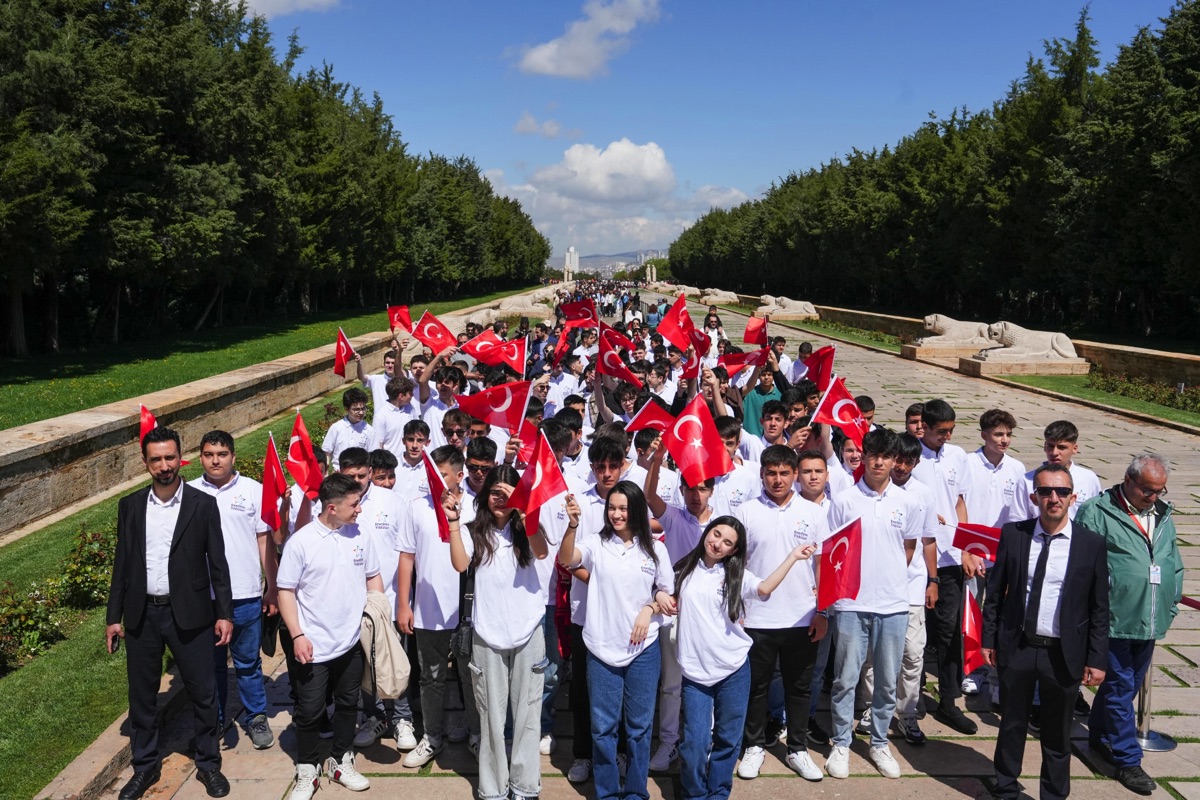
<point x="568" y="554"/>
<point x="656" y="504"/>
<point x="772" y="581"/>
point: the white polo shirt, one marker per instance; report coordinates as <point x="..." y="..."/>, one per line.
<point x="436" y="584"/>
<point x="377" y="386"/>
<point x="410" y="479"/>
<point x="328" y="570"/>
<point x="432" y="412"/>
<point x="241" y="523"/>
<point x="772" y="532"/>
<point x="995" y="494"/>
<point x="668" y="486"/>
<point x="380" y="521"/>
<point x="751" y="447"/>
<point x="838" y="480"/>
<point x="681" y="531"/>
<point x="623" y="580"/>
<point x="342" y="435"/>
<point x="888" y="520"/>
<point x="945" y="472"/>
<point x="710" y="646"/>
<point x="388" y="432"/>
<point x="509" y="604"/>
<point x="553" y="521"/>
<point x="918" y="573"/>
<point x="741" y="484"/>
<point x="591" y="520"/>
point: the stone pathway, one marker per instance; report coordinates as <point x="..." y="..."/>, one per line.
<point x="950" y="765"/>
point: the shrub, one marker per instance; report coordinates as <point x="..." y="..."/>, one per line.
<point x="1145" y="389"/>
<point x="27" y="624"/>
<point x="87" y="575"/>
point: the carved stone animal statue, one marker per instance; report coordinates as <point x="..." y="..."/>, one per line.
<point x="948" y="331"/>
<point x="1017" y="343"/>
<point x="715" y="297"/>
<point x="785" y="305"/>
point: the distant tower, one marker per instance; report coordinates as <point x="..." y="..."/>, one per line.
<point x="571" y="266"/>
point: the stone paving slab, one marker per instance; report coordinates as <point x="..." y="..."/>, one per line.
<point x="1189" y="790"/>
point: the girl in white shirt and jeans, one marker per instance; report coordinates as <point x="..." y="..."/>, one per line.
<point x="711" y="586"/>
<point x="508" y="653"/>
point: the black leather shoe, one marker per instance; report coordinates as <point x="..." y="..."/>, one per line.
<point x="139" y="783"/>
<point x="216" y="783"/>
<point x="956" y="719"/>
<point x="1136" y="780"/>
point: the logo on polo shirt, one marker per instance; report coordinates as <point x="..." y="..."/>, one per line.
<point x="381" y="521"/>
<point x="803" y="531"/>
<point x="240" y="503"/>
<point x="897" y="518"/>
<point x="952" y="476"/>
<point x="359" y="555"/>
<point x="1010" y="487"/>
<point x="648" y="566"/>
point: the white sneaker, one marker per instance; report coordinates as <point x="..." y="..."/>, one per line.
<point x="546" y="746"/>
<point x="580" y="771"/>
<point x="473" y="744"/>
<point x="622" y="765"/>
<point x="370" y="732"/>
<point x="752" y="761"/>
<point x="345" y="773"/>
<point x="970" y="685"/>
<point x="406" y="737"/>
<point x="882" y="758"/>
<point x="423" y="753"/>
<point x="802" y="763"/>
<point x="838" y="763"/>
<point x="663" y="757"/>
<point x="308" y="780"/>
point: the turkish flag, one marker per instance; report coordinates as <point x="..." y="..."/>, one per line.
<point x="609" y="363"/>
<point x="542" y="481"/>
<point x="978" y="540"/>
<point x="820" y="367"/>
<point x="502" y="406"/>
<point x="580" y="314"/>
<point x="301" y="463"/>
<point x="972" y="634"/>
<point x="734" y="362"/>
<point x="274" y="486"/>
<point x="616" y="337"/>
<point x="676" y="325"/>
<point x="514" y="354"/>
<point x="480" y="348"/>
<point x="693" y="441"/>
<point x="431" y="331"/>
<point x="841" y="566"/>
<point x="837" y="407"/>
<point x="528" y="435"/>
<point x="147" y="423"/>
<point x="756" y="332"/>
<point x="343" y="354"/>
<point x="650" y="415"/>
<point x="691" y="369"/>
<point x="437" y="487"/>
<point x="560" y="349"/>
<point x="700" y="341"/>
<point x="398" y="317"/>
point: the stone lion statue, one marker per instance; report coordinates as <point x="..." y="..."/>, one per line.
<point x="716" y="297"/>
<point x="948" y="331"/>
<point x="1017" y="343"/>
<point x="485" y="316"/>
<point x="687" y="291"/>
<point x="523" y="305"/>
<point x="784" y="305"/>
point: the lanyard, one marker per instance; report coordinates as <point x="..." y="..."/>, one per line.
<point x="1129" y="510"/>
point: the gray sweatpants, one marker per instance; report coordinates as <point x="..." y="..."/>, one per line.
<point x="433" y="654"/>
<point x="502" y="678"/>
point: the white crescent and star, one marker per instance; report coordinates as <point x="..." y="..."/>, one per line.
<point x="696" y="442"/>
<point x="837" y="410"/>
<point x="842" y="542"/>
<point x="612" y="354"/>
<point x="436" y="335"/>
<point x="977" y="548"/>
<point x="508" y="398"/>
<point x="292" y="446"/>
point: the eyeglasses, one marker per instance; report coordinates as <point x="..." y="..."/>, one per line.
<point x="1150" y="492"/>
<point x="448" y="432"/>
<point x="358" y="409"/>
<point x="1061" y="491"/>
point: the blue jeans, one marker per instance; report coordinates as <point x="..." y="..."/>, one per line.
<point x="818" y="678"/>
<point x="881" y="636"/>
<point x="1114" y="718"/>
<point x="247" y="662"/>
<point x="709" y="752"/>
<point x="617" y="693"/>
<point x="550" y="632"/>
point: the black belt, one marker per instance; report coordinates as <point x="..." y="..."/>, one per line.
<point x="158" y="599"/>
<point x="1039" y="641"/>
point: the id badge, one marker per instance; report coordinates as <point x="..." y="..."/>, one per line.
<point x="1155" y="574"/>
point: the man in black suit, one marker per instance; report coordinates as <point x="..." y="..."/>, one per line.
<point x="1045" y="624"/>
<point x="170" y="584"/>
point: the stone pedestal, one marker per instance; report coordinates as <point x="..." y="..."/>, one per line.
<point x="913" y="352"/>
<point x="793" y="316"/>
<point x="977" y="367"/>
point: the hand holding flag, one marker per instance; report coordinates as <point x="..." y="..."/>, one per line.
<point x="431" y="331"/>
<point x="274" y="486"/>
<point x="343" y="354"/>
<point x="841" y="566"/>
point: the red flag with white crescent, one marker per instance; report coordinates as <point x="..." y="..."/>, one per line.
<point x="734" y="362"/>
<point x="616" y="337"/>
<point x="820" y="366"/>
<point x="542" y="481"/>
<point x="147" y="423"/>
<point x="560" y="349"/>
<point x="398" y="317"/>
<point x="274" y="486"/>
<point x="580" y="314"/>
<point x="480" y="348"/>
<point x="431" y="331"/>
<point x="841" y="566"/>
<point x="437" y="487"/>
<point x="343" y="354"/>
<point x="978" y="540"/>
<point x="650" y="415"/>
<point x="693" y="441"/>
<point x="676" y="325"/>
<point x="502" y="406"/>
<point x="756" y="332"/>
<point x="837" y="408"/>
<point x="301" y="463"/>
<point x="972" y="634"/>
<point x="609" y="363"/>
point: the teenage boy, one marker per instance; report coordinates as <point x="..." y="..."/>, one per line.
<point x="410" y="466"/>
<point x="943" y="468"/>
<point x="874" y="624"/>
<point x="742" y="483"/>
<point x="658" y="381"/>
<point x="757" y="391"/>
<point x="391" y="417"/>
<point x="251" y="559"/>
<point x="433" y="611"/>
<point x="456" y="428"/>
<point x="377" y="384"/>
<point x="778" y="345"/>
<point x="327" y="568"/>
<point x="480" y="459"/>
<point x="1061" y="445"/>
<point x="786" y="626"/>
<point x="383" y="468"/>
<point x="813" y="485"/>
<point x="448" y="381"/>
<point x="351" y="430"/>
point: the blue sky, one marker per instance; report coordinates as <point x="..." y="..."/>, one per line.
<point x="617" y="123"/>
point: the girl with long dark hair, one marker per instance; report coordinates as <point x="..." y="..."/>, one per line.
<point x="508" y="654"/>
<point x="711" y="587"/>
<point x="629" y="586"/>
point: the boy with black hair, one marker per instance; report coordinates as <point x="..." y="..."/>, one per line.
<point x="866" y="405"/>
<point x="658" y="381"/>
<point x="393" y="415"/>
<point x="480" y="460"/>
<point x="574" y="460"/>
<point x="352" y="430"/>
<point x="778" y="345"/>
<point x="1061" y="445"/>
<point x="799" y="370"/>
<point x="913" y="423"/>
<point x="758" y="390"/>
<point x="382" y="464"/>
<point x="448" y="381"/>
<point x="377" y="384"/>
<point x="410" y="466"/>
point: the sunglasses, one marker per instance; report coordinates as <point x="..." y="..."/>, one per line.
<point x="1061" y="491"/>
<point x="448" y="432"/>
<point x="478" y="467"/>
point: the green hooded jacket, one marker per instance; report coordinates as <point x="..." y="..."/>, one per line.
<point x="1137" y="608"/>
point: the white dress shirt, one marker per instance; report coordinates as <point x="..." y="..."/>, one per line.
<point x="160" y="530"/>
<point x="1056" y="572"/>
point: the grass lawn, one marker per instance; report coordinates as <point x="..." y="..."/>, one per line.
<point x="1075" y="386"/>
<point x="48" y="386"/>
<point x="46" y="717"/>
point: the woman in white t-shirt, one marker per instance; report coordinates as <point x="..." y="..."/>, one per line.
<point x="629" y="586"/>
<point x="508" y="653"/>
<point x="711" y="586"/>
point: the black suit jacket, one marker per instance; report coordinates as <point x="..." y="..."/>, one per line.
<point x="1083" y="611"/>
<point x="197" y="562"/>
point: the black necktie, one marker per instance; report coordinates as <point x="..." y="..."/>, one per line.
<point x="1035" y="590"/>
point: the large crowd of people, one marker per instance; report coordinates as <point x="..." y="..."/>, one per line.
<point x="642" y="597"/>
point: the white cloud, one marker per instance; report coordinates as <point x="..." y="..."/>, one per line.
<point x="588" y="44"/>
<point x="614" y="200"/>
<point x="547" y="128"/>
<point x="278" y="8"/>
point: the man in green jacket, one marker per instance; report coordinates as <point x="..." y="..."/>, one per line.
<point x="1146" y="583"/>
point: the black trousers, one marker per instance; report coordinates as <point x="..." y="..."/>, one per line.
<point x="581" y="708"/>
<point x="946" y="632"/>
<point x="193" y="653"/>
<point x="311" y="682"/>
<point x="1023" y="672"/>
<point x="796" y="653"/>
